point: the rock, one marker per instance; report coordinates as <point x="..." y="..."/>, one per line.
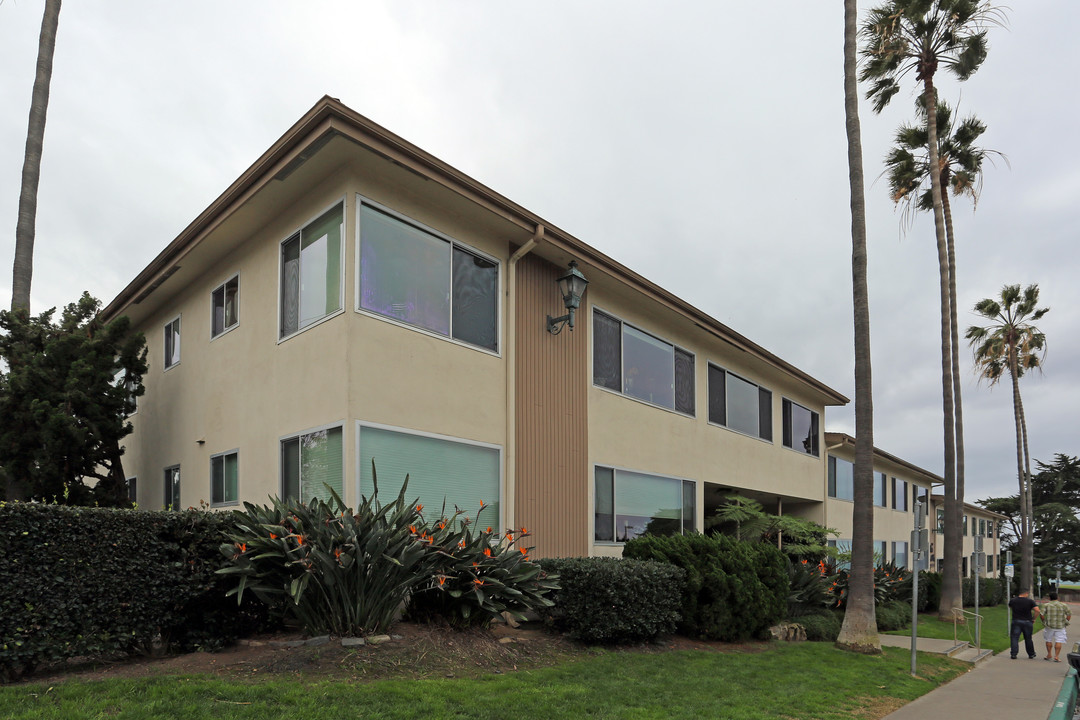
<point x="788" y="632"/>
<point x="317" y="641"/>
<point x="286" y="643"/>
<point x="352" y="642"/>
<point x="506" y="640"/>
<point x="378" y="639"/>
<point x="250" y="643"/>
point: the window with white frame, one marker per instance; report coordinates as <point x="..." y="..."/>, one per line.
<point x="739" y="404"/>
<point x="628" y="504"/>
<point x="989" y="528"/>
<point x="417" y="276"/>
<point x="639" y="365"/>
<point x="224" y="478"/>
<point x="310" y="462"/>
<point x="225" y="307"/>
<point x="172" y="488"/>
<point x="172" y="342"/>
<point x="880" y="489"/>
<point x="444" y="473"/>
<point x="800" y="428"/>
<point x="841" y="478"/>
<point x="964" y="525"/>
<point x="311" y="272"/>
<point x="900" y="494"/>
<point x="900" y="551"/>
<point x="982" y="527"/>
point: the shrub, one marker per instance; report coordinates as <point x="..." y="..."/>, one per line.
<point x="104" y="582"/>
<point x="808" y="589"/>
<point x="890" y="583"/>
<point x="893" y="615"/>
<point x="991" y="591"/>
<point x="332" y="570"/>
<point x="474" y="577"/>
<point x="612" y="600"/>
<point x="734" y="590"/>
<point x="823" y="626"/>
<point x="929" y="591"/>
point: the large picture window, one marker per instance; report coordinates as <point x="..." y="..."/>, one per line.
<point x="416" y="276"/>
<point x="800" y="428"/>
<point x="629" y="504"/>
<point x="224" y="478"/>
<point x="310" y="462"/>
<point x="739" y="404"/>
<point x="224" y="306"/>
<point x="640" y="365"/>
<point x="311" y="272"/>
<point x="841" y="479"/>
<point x="443" y="473"/>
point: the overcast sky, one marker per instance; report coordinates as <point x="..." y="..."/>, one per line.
<point x="699" y="143"/>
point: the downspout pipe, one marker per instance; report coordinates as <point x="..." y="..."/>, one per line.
<point x="510" y="355"/>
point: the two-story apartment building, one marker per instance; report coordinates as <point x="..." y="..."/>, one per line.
<point x="351" y="301"/>
<point x="977" y="522"/>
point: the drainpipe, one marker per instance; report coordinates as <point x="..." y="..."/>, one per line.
<point x="510" y="355"/>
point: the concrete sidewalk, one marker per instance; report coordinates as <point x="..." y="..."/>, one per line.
<point x="994" y="688"/>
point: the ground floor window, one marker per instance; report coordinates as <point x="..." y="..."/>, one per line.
<point x="629" y="504"/>
<point x="312" y="464"/>
<point x="444" y="473"/>
<point x="900" y="554"/>
<point x="224" y="478"/>
<point x="132" y="490"/>
<point x="172" y="488"/>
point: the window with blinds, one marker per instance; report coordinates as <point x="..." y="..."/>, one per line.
<point x="311" y="463"/>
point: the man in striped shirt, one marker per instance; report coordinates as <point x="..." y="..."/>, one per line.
<point x="1056" y="616"/>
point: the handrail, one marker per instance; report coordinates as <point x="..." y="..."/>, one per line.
<point x="958" y="616"/>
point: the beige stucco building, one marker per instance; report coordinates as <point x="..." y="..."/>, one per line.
<point x="352" y="301"/>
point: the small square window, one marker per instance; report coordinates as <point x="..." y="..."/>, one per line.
<point x="225" y="307"/>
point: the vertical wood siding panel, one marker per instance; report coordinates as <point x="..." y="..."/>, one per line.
<point x="552" y="421"/>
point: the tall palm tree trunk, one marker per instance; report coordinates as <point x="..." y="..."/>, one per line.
<point x="859" y="631"/>
<point x="1023" y="467"/>
<point x="951" y="597"/>
<point x="958" y="406"/>
<point x="23" y="268"/>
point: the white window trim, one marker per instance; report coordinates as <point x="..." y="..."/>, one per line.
<point x="227" y="503"/>
<point x="822" y="452"/>
<point x="592" y="373"/>
<point x="434" y="436"/>
<point x="343" y="201"/>
<point x="726" y="371"/>
<point x="616" y="469"/>
<point x="308" y="431"/>
<point x="164" y="349"/>
<point x="221" y="285"/>
<point x="362" y="200"/>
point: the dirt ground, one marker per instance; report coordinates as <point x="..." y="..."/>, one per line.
<point x="414" y="651"/>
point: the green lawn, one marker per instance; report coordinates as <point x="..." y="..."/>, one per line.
<point x="781" y="681"/>
<point x="995" y="628"/>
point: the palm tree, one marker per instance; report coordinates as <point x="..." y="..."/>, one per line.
<point x="960" y="161"/>
<point x="1012" y="343"/>
<point x="859" y="632"/>
<point x="900" y="36"/>
<point x="23" y="268"/>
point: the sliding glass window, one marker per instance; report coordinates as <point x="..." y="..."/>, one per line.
<point x="629" y="504"/>
<point x="739" y="404"/>
<point x="311" y="272"/>
<point x="311" y="465"/>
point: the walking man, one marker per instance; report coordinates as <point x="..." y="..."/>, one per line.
<point x="1056" y="616"/>
<point x="1024" y="611"/>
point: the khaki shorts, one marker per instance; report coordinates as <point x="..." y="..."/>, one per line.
<point x="1054" y="635"/>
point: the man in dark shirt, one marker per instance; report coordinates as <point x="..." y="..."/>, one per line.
<point x="1024" y="611"/>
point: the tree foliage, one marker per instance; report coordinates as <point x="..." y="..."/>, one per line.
<point x="64" y="400"/>
<point x="745" y="519"/>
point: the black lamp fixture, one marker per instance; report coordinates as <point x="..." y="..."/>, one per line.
<point x="572" y="286"/>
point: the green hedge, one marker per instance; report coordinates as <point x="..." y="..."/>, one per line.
<point x="822" y="626"/>
<point x="612" y="600"/>
<point x="104" y="582"/>
<point x="734" y="590"/>
<point x="991" y="591"/>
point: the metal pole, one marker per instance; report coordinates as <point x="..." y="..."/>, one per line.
<point x="917" y="551"/>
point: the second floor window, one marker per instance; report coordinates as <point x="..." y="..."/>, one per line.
<point x="640" y="365"/>
<point x="172" y="343"/>
<point x="800" y="428"/>
<point x="900" y="494"/>
<point x="880" y="489"/>
<point x="311" y="272"/>
<point x="739" y="404"/>
<point x="841" y="478"/>
<point x="224" y="306"/>
<point x="418" y="277"/>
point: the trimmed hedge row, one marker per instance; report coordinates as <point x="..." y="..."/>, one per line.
<point x="734" y="590"/>
<point x="104" y="582"/>
<point x="611" y="600"/>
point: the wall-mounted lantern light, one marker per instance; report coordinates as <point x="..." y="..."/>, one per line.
<point x="572" y="286"/>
